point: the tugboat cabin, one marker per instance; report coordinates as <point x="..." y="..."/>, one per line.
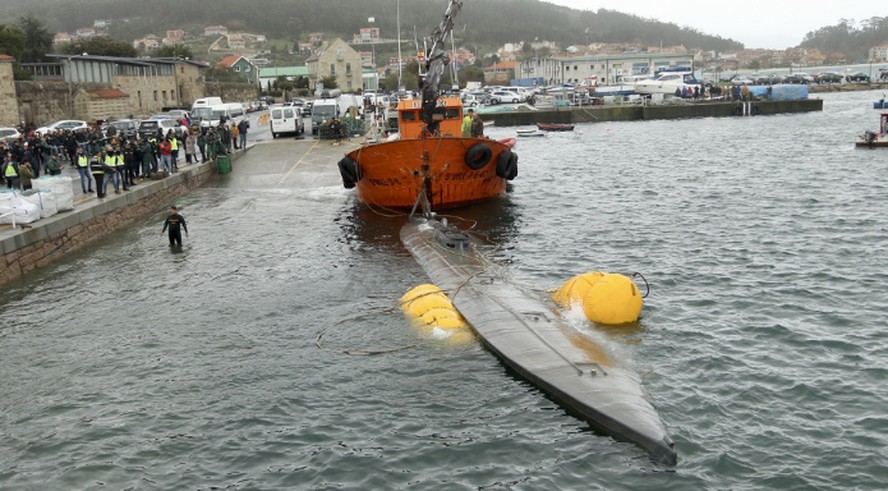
<point x="448" y="114"/>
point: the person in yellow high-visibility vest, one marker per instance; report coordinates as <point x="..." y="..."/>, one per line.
<point x="467" y="124"/>
<point x="120" y="168"/>
<point x="97" y="169"/>
<point x="11" y="172"/>
<point x="110" y="161"/>
<point x="174" y="150"/>
<point x="82" y="163"/>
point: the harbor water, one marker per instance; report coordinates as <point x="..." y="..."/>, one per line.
<point x="270" y="352"/>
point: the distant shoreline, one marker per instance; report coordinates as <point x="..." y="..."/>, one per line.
<point x="851" y="87"/>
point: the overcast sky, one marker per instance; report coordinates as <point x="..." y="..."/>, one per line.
<point x="772" y="25"/>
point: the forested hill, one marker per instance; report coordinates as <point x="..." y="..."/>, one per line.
<point x="482" y="22"/>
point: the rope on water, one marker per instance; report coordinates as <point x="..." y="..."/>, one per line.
<point x="646" y="284"/>
<point x="364" y="352"/>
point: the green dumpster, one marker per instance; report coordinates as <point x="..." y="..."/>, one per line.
<point x="223" y="164"/>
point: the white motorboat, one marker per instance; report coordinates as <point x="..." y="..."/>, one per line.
<point x="668" y="83"/>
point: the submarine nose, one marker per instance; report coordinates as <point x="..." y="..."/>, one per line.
<point x="664" y="452"/>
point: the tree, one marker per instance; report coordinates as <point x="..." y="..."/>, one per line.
<point x="329" y="82"/>
<point x="174" y="51"/>
<point x="100" y="46"/>
<point x="38" y="40"/>
<point x="410" y="75"/>
<point x="223" y="75"/>
<point x="472" y="73"/>
<point x="282" y="83"/>
<point x="12" y="42"/>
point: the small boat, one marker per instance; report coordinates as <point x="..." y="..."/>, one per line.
<point x="430" y="158"/>
<point x="874" y="139"/>
<point x="555" y="126"/>
<point x="509" y="142"/>
<point x="880" y="104"/>
<point x="529" y="336"/>
<point x="523" y="133"/>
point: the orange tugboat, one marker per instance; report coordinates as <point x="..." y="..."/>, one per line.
<point x="430" y="159"/>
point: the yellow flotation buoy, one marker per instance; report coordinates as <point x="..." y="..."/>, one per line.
<point x="606" y="298"/>
<point x="574" y="290"/>
<point x="435" y="314"/>
<point x="424" y="303"/>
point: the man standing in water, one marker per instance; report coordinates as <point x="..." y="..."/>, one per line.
<point x="176" y="224"/>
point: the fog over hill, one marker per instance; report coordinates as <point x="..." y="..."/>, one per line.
<point x="484" y="23"/>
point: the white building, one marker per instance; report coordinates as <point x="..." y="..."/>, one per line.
<point x="606" y="69"/>
<point x="879" y="53"/>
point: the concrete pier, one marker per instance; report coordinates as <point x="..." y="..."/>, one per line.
<point x="634" y="112"/>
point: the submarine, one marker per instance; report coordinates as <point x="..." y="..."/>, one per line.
<point x="527" y="334"/>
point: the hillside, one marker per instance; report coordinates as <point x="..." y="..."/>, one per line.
<point x="482" y="23"/>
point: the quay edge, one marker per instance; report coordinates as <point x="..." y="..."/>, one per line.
<point x="596" y="114"/>
<point x="47" y="240"/>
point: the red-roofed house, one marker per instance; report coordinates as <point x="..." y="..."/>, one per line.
<point x="61" y="37"/>
<point x="101" y="103"/>
<point x="85" y="32"/>
<point x="242" y="66"/>
<point x="215" y="31"/>
<point x="500" y="73"/>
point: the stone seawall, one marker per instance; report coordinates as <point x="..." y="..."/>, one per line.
<point x="593" y="114"/>
<point x="47" y="240"/>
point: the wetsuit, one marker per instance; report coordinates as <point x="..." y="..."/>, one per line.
<point x="175" y="222"/>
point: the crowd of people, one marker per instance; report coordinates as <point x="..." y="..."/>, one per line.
<point x="113" y="160"/>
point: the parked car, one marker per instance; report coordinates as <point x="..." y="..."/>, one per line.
<point x="9" y="134"/>
<point x="158" y="127"/>
<point x="179" y="114"/>
<point x="124" y="127"/>
<point x="797" y="78"/>
<point x="470" y="100"/>
<point x="65" y="124"/>
<point x="828" y="78"/>
<point x="506" y="97"/>
<point x="857" y="77"/>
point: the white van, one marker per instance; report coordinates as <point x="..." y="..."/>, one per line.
<point x="206" y="102"/>
<point x="210" y="116"/>
<point x="323" y="110"/>
<point x="348" y="101"/>
<point x="236" y="112"/>
<point x="525" y="91"/>
<point x="286" y="119"/>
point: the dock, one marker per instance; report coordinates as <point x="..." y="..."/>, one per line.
<point x="637" y="112"/>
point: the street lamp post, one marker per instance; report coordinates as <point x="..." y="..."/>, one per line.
<point x="70" y="76"/>
<point x="372" y="20"/>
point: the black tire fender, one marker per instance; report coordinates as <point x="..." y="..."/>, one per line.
<point x="738" y="110"/>
<point x="513" y="167"/>
<point x="754" y="110"/>
<point x="478" y="156"/>
<point x="503" y="164"/>
<point x="348" y="169"/>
